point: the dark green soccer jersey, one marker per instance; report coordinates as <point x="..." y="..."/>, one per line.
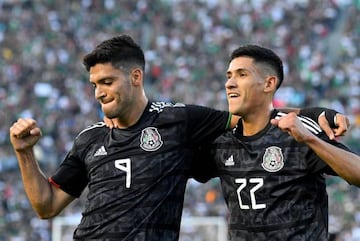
<point x="137" y="176"/>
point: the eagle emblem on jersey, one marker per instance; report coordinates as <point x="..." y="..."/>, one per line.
<point x="150" y="139"/>
<point x="273" y="159"/>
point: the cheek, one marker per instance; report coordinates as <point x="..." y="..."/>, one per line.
<point x="124" y="95"/>
<point x="255" y="90"/>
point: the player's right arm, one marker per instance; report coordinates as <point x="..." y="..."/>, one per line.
<point x="46" y="199"/>
<point x="345" y="163"/>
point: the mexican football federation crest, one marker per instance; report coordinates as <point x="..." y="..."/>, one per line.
<point x="150" y="139"/>
<point x="273" y="159"/>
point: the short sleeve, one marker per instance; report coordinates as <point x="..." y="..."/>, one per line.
<point x="71" y="175"/>
<point x="203" y="165"/>
<point x="205" y="124"/>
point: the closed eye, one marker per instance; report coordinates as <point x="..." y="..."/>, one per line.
<point x="106" y="81"/>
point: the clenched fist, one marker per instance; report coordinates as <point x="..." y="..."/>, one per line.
<point x="24" y="134"/>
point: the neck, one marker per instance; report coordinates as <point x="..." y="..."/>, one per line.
<point x="256" y="121"/>
<point x="133" y="115"/>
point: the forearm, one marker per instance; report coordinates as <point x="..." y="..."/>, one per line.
<point x="344" y="163"/>
<point x="37" y="188"/>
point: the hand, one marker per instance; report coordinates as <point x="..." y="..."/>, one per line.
<point x="342" y="125"/>
<point x="24" y="134"/>
<point x="111" y="123"/>
<point x="291" y="124"/>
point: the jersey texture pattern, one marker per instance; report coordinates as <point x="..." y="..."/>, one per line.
<point x="273" y="185"/>
<point x="137" y="176"/>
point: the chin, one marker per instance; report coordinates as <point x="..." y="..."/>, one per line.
<point x="234" y="111"/>
<point x="108" y="114"/>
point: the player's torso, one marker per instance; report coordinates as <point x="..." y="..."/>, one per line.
<point x="137" y="177"/>
<point x="145" y="153"/>
<point x="266" y="182"/>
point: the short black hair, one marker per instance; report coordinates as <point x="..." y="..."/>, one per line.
<point x="120" y="51"/>
<point x="261" y="55"/>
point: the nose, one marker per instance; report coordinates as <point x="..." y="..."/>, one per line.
<point x="99" y="93"/>
<point x="230" y="83"/>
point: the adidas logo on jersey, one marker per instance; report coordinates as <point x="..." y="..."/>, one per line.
<point x="101" y="151"/>
<point x="230" y="161"/>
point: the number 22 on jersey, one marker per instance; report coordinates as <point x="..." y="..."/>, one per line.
<point x="259" y="182"/>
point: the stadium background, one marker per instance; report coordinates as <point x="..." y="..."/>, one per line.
<point x="187" y="43"/>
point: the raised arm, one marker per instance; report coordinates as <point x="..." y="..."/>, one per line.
<point x="346" y="164"/>
<point x="46" y="200"/>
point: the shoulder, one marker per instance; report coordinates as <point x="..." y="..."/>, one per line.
<point x="93" y="130"/>
<point x="166" y="111"/>
<point x="228" y="137"/>
<point x="178" y="110"/>
<point x="160" y="106"/>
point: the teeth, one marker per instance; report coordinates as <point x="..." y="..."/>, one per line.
<point x="233" y="95"/>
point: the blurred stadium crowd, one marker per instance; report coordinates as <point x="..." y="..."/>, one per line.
<point x="187" y="43"/>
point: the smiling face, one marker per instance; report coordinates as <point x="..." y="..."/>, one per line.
<point x="113" y="89"/>
<point x="246" y="87"/>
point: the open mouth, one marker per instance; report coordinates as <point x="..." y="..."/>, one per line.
<point x="233" y="95"/>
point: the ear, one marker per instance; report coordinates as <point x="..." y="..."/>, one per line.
<point x="270" y="83"/>
<point x="136" y="76"/>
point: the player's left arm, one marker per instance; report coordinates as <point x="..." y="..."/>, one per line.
<point x="345" y="163"/>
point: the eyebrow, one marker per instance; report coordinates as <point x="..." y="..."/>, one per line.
<point x="103" y="79"/>
<point x="237" y="70"/>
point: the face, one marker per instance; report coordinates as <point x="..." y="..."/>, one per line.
<point x="244" y="86"/>
<point x="113" y="90"/>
